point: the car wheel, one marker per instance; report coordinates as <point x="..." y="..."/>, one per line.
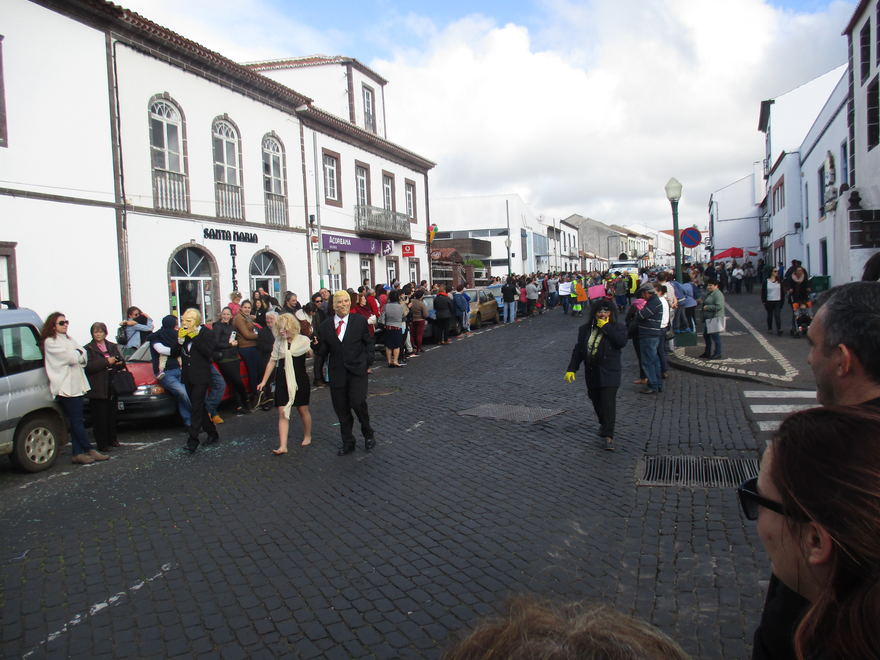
<point x="478" y="321"/>
<point x="456" y="328"/>
<point x="497" y="317"/>
<point x="36" y="444"/>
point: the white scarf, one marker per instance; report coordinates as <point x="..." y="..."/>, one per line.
<point x="282" y="350"/>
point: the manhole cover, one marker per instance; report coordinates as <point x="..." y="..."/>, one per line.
<point x="695" y="471"/>
<point x="510" y="413"/>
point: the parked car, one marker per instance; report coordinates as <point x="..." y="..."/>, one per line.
<point x="32" y="425"/>
<point x="150" y="400"/>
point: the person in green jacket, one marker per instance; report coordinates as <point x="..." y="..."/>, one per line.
<point x="713" y="308"/>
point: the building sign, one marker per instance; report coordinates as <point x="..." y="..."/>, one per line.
<point x="339" y="243"/>
<point x="409" y="250"/>
<point x="230" y="236"/>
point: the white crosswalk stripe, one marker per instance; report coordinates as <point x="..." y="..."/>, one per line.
<point x="769" y="407"/>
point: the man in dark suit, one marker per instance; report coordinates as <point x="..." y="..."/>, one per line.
<point x="195" y="349"/>
<point x="345" y="338"/>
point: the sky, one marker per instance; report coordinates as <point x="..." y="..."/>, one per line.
<point x="584" y="107"/>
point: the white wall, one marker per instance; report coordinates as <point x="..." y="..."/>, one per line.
<point x="359" y="79"/>
<point x="867" y="162"/>
<point x="735" y="216"/>
<point x="325" y="84"/>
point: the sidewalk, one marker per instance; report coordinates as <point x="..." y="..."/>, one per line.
<point x="750" y="352"/>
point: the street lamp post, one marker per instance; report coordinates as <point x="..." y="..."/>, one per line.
<point x="673" y="194"/>
<point x="507" y="244"/>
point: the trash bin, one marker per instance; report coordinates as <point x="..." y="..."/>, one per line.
<point x="819" y="283"/>
<point x="683" y="339"/>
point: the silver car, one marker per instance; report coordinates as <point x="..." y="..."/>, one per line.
<point x="32" y="426"/>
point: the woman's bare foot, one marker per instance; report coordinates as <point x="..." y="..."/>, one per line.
<point x="280" y="452"/>
<point x="306" y="441"/>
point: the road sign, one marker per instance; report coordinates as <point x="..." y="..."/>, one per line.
<point x="691" y="237"/>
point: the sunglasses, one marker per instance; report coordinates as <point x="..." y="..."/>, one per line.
<point x="63" y="322"/>
<point x="750" y="500"/>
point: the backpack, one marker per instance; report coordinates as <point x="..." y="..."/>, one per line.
<point x="121" y="336"/>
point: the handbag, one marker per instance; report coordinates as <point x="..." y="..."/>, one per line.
<point x="121" y="382"/>
<point x="715" y="324"/>
<point x="305" y="328"/>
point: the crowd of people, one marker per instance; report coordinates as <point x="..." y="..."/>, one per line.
<point x="816" y="499"/>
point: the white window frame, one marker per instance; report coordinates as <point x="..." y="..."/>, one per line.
<point x="168" y="118"/>
<point x="273" y="166"/>
<point x="369" y="98"/>
<point x="332" y="178"/>
<point x="362" y="185"/>
<point x="388" y="191"/>
<point x="225" y="141"/>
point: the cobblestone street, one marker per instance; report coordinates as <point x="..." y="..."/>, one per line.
<point x="236" y="553"/>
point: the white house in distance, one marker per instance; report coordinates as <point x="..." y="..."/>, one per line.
<point x="494" y="218"/>
<point x="734" y="216"/>
<point x="200" y="176"/>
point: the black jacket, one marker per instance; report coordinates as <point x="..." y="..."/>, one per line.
<point x="443" y="307"/>
<point x="224" y="351"/>
<point x="508" y="293"/>
<point x="353" y="355"/>
<point x="196" y="355"/>
<point x="604" y="369"/>
<point x="98" y="371"/>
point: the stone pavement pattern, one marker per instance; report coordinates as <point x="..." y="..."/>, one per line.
<point x="234" y="553"/>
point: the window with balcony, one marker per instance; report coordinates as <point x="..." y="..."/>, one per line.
<point x="388" y="191"/>
<point x="873" y="114"/>
<point x="369" y="109"/>
<point x="362" y="183"/>
<point x="167" y="156"/>
<point x="273" y="181"/>
<point x="410" y="190"/>
<point x="778" y="196"/>
<point x="332" y="190"/>
<point x="227" y="170"/>
<point x="865" y="51"/>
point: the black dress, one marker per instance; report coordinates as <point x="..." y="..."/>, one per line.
<point x="303" y="392"/>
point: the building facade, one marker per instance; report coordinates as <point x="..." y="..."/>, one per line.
<point x="197" y="176"/>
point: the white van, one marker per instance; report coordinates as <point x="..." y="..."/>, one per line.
<point x="32" y="426"/>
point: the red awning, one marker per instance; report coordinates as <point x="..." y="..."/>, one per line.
<point x="729" y="253"/>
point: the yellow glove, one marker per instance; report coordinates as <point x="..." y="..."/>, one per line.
<point x="182" y="333"/>
<point x="569" y="376"/>
<point x="601" y="322"/>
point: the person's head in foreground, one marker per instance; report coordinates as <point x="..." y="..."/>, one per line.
<point x="532" y="629"/>
<point x="817" y="506"/>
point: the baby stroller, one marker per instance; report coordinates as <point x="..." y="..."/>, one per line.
<point x="801" y="318"/>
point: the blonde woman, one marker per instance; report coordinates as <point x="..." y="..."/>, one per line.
<point x="288" y="360"/>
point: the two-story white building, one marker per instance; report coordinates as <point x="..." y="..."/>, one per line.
<point x="169" y="176"/>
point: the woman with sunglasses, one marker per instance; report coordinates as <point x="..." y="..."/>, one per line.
<point x="65" y="361"/>
<point x="817" y="506"/>
<point x="771" y="296"/>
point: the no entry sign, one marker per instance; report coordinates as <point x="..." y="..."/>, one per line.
<point x="691" y="237"/>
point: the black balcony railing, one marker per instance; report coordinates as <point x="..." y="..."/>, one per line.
<point x="228" y="201"/>
<point x="381" y="223"/>
<point x="276" y="210"/>
<point x="169" y="191"/>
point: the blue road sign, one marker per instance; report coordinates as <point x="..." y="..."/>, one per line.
<point x="691" y="237"/>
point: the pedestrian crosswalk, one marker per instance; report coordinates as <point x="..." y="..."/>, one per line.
<point x="768" y="416"/>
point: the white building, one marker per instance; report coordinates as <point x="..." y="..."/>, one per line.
<point x="862" y="200"/>
<point x="495" y="218"/>
<point x="187" y="175"/>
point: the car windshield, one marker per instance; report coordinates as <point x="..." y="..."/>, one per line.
<point x="142" y="354"/>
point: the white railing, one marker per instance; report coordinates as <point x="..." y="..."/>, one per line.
<point x="228" y="201"/>
<point x="169" y="191"/>
<point x="276" y="210"/>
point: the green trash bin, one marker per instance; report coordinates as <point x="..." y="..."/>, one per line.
<point x="820" y="283"/>
<point x="684" y="339"/>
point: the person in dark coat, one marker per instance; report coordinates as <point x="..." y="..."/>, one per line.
<point x="102" y="357"/>
<point x="195" y="348"/>
<point x="345" y="340"/>
<point x="598" y="347"/>
<point x="227" y="358"/>
<point x="444" y="310"/>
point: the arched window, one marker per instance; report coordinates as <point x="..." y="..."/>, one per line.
<point x="167" y="156"/>
<point x="227" y="170"/>
<point x="273" y="181"/>
<point x="266" y="273"/>
<point x="191" y="282"/>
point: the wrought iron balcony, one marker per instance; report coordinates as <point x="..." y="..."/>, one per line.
<point x="381" y="223"/>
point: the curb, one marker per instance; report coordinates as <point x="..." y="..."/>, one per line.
<point x="694" y="369"/>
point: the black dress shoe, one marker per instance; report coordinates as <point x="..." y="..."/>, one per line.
<point x="213" y="441"/>
<point x="703" y="355"/>
<point x="346" y="449"/>
<point x="369" y="443"/>
<point x="191" y="446"/>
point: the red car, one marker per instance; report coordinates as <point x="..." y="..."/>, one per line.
<point x="150" y="400"/>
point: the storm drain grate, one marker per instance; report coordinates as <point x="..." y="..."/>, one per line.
<point x="511" y="413"/>
<point x="695" y="471"/>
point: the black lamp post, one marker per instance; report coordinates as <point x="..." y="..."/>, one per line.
<point x="673" y="194"/>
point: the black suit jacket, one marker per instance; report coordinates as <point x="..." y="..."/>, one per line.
<point x="196" y="356"/>
<point x="353" y="355"/>
<point x="607" y="359"/>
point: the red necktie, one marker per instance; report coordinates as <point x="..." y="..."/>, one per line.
<point x="339" y="328"/>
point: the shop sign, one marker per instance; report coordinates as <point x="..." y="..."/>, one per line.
<point x="230" y="236"/>
<point x="409" y="250"/>
<point x="335" y="242"/>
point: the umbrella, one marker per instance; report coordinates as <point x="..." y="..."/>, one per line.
<point x="729" y="253"/>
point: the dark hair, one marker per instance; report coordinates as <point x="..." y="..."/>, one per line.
<point x="48" y="329"/>
<point x="245" y="302"/>
<point x="871" y="273"/>
<point x="852" y="318"/>
<point x="826" y="466"/>
<point x="133" y="308"/>
<point x="394" y="296"/>
<point x="533" y="629"/>
<point x="98" y="325"/>
<point x="598" y="306"/>
<point x="419" y="294"/>
<point x="460" y="288"/>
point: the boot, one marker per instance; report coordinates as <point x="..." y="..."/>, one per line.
<point x="97" y="456"/>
